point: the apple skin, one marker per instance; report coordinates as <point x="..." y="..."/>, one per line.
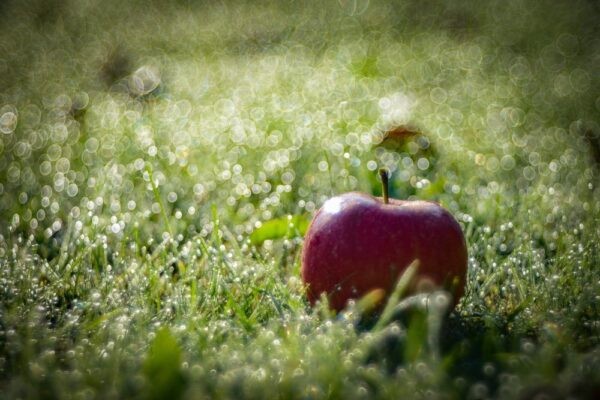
<point x="357" y="243"/>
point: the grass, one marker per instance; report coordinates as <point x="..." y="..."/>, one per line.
<point x="153" y="156"/>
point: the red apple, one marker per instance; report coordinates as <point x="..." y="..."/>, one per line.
<point x="357" y="243"/>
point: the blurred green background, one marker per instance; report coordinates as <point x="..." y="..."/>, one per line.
<point x="153" y="155"/>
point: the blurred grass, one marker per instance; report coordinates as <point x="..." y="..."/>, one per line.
<point x="142" y="144"/>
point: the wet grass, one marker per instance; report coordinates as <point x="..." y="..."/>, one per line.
<point x="141" y="145"/>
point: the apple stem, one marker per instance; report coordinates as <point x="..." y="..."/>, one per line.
<point x="385" y="184"/>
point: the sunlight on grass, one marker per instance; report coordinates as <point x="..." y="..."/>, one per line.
<point x="159" y="164"/>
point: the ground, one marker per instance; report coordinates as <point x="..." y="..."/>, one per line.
<point x="159" y="163"/>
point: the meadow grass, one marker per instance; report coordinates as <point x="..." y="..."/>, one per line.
<point x="153" y="156"/>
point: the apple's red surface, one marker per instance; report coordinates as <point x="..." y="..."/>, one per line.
<point x="357" y="243"/>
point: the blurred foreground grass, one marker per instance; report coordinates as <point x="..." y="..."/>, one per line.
<point x="141" y="144"/>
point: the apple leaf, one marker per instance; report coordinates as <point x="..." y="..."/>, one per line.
<point x="280" y="228"/>
<point x="433" y="190"/>
<point x="162" y="367"/>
